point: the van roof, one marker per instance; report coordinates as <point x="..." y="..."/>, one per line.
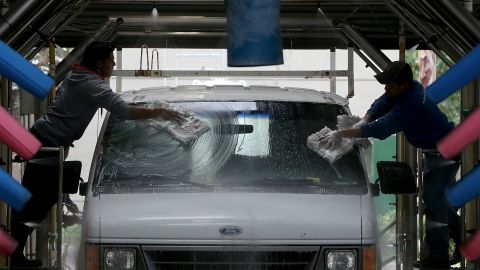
<point x="232" y="93"/>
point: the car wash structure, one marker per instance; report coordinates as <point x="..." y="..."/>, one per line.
<point x="254" y="33"/>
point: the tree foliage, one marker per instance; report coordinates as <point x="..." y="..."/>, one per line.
<point x="42" y="58"/>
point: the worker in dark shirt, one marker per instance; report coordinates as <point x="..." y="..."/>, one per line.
<point x="406" y="107"/>
<point x="81" y="94"/>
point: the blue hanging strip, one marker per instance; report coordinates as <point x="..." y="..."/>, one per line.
<point x="254" y="35"/>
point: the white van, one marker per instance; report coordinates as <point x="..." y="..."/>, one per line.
<point x="247" y="194"/>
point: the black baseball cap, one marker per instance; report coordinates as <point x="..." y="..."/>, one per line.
<point x="395" y="72"/>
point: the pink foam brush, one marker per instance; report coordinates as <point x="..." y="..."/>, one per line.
<point x="466" y="133"/>
<point x="17" y="137"/>
<point x="7" y="244"/>
<point x="471" y="248"/>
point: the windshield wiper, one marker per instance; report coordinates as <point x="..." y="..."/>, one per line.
<point x="276" y="181"/>
<point x="159" y="180"/>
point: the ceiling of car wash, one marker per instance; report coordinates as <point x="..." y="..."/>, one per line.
<point x="202" y="23"/>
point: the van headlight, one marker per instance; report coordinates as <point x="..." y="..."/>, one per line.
<point x="341" y="260"/>
<point x="119" y="259"/>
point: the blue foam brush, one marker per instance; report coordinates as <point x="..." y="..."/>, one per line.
<point x="465" y="190"/>
<point x="25" y="74"/>
<point x="465" y="71"/>
<point x="12" y="192"/>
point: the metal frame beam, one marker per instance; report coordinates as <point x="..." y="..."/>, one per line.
<point x="31" y="19"/>
<point x="105" y="32"/>
<point x="236" y="73"/>
<point x="14" y="17"/>
<point x="49" y="29"/>
<point x="412" y="25"/>
<point x="377" y="56"/>
<point x="465" y="19"/>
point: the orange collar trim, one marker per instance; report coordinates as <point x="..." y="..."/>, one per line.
<point x="83" y="68"/>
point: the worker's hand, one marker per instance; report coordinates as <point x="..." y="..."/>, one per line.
<point x="331" y="139"/>
<point x="360" y="123"/>
<point x="168" y="115"/>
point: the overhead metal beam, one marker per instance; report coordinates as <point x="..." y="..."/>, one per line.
<point x="105" y="32"/>
<point x="426" y="39"/>
<point x="467" y="21"/>
<point x="307" y="74"/>
<point x="30" y="19"/>
<point x="369" y="63"/>
<point x="56" y="23"/>
<point x="16" y="15"/>
<point x="459" y="39"/>
<point x="163" y="34"/>
<point x="377" y="56"/>
<point x="437" y="27"/>
<point x="323" y="2"/>
<point x="198" y="21"/>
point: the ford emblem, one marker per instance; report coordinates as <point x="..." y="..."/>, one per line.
<point x="230" y="230"/>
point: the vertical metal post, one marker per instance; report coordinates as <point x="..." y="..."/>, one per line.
<point x="470" y="99"/>
<point x="470" y="157"/>
<point x="406" y="213"/>
<point x="421" y="230"/>
<point x="52" y="70"/>
<point x="406" y="204"/>
<point x="333" y="79"/>
<point x="119" y="67"/>
<point x="4" y="154"/>
<point x="5" y="93"/>
<point x="401" y="40"/>
<point x="401" y="199"/>
<point x="4" y="151"/>
<point x="5" y="96"/>
<point x="60" y="207"/>
<point x="350" y="78"/>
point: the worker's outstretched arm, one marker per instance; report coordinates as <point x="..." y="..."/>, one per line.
<point x="365" y="120"/>
<point x="144" y="113"/>
<point x="355" y="132"/>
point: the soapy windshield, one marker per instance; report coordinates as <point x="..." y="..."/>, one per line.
<point x="249" y="147"/>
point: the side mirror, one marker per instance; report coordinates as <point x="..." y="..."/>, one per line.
<point x="83" y="188"/>
<point x="396" y="177"/>
<point x="375" y="188"/>
<point x="42" y="175"/>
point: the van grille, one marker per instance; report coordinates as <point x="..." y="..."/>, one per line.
<point x="230" y="259"/>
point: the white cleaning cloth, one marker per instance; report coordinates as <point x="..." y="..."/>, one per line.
<point x="190" y="129"/>
<point x="341" y="148"/>
<point x="320" y="147"/>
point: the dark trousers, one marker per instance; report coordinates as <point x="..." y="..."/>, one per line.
<point x="438" y="175"/>
<point x="35" y="209"/>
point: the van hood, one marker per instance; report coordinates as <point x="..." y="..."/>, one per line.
<point x="160" y="217"/>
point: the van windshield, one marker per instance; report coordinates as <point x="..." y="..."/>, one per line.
<point x="251" y="147"/>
